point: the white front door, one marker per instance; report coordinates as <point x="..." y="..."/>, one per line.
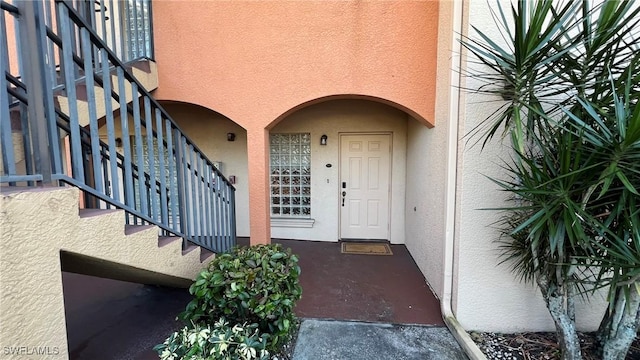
<point x="365" y="178"/>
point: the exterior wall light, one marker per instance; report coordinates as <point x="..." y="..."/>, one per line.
<point x="323" y="140"/>
<point x="231" y="137"/>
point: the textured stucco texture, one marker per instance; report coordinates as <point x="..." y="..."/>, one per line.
<point x="39" y="224"/>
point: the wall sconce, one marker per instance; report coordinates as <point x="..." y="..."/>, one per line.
<point x="231" y="137"/>
<point x="118" y="142"/>
<point x="323" y="140"/>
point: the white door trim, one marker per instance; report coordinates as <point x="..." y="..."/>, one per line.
<point x="342" y="136"/>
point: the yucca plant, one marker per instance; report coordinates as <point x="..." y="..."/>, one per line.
<point x="569" y="73"/>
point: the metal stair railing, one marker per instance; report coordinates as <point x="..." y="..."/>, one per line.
<point x="134" y="158"/>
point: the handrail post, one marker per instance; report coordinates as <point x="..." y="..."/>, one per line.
<point x="39" y="93"/>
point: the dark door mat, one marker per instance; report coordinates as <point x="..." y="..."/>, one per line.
<point x="365" y="248"/>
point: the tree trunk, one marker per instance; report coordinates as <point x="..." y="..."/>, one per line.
<point x="561" y="307"/>
<point x="620" y="324"/>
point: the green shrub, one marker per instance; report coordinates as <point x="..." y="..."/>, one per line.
<point x="257" y="285"/>
<point x="222" y="342"/>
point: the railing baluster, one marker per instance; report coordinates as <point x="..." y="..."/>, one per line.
<point x="124" y="28"/>
<point x="137" y="130"/>
<point x="50" y="82"/>
<point x="35" y="79"/>
<point x="8" y="157"/>
<point x="221" y="206"/>
<point x="174" y="196"/>
<point x="232" y="209"/>
<point x="105" y="173"/>
<point x="50" y="48"/>
<point x="151" y="159"/>
<point x="226" y="218"/>
<point x="103" y="21"/>
<point x="25" y="133"/>
<point x="73" y="42"/>
<point x="110" y="123"/>
<point x="193" y="211"/>
<point x="207" y="206"/>
<point x="87" y="54"/>
<point x="112" y="18"/>
<point x="70" y="88"/>
<point x="218" y="210"/>
<point x="200" y="181"/>
<point x="185" y="210"/>
<point x="92" y="16"/>
<point x="162" y="167"/>
<point x="126" y="144"/>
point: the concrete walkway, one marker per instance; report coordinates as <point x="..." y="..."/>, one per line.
<point x="349" y="340"/>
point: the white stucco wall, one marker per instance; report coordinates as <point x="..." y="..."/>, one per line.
<point x="425" y="210"/>
<point x="488" y="296"/>
<point x="427" y="152"/>
<point x="332" y="118"/>
<point x="208" y="130"/>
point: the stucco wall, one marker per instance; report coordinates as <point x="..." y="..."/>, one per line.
<point x="332" y="118"/>
<point x="254" y="61"/>
<point x="488" y="296"/>
<point x="36" y="225"/>
<point x="425" y="208"/>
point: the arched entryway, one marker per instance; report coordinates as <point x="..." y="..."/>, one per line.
<point x="416" y="180"/>
<point x="321" y="151"/>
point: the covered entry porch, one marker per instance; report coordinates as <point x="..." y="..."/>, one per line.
<point x="375" y="288"/>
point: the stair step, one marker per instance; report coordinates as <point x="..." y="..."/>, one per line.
<point x="189" y="248"/>
<point x="166" y="240"/>
<point x="142" y="64"/>
<point x="132" y="229"/>
<point x="205" y="254"/>
<point x="86" y="213"/>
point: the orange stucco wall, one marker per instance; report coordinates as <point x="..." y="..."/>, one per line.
<point x="253" y="61"/>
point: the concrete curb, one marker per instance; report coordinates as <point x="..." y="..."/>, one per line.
<point x="468" y="345"/>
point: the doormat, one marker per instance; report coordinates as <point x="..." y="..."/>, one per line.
<point x="365" y="248"/>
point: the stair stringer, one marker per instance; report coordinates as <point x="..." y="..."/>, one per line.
<point x="37" y="225"/>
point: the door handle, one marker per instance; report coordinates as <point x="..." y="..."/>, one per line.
<point x="344" y="193"/>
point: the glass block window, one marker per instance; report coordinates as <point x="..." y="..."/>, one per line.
<point x="290" y="173"/>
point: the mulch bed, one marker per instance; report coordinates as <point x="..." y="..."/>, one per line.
<point x="537" y="346"/>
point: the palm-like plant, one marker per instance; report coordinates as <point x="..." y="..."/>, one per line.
<point x="570" y="75"/>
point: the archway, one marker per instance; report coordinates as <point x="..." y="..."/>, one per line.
<point x="224" y="142"/>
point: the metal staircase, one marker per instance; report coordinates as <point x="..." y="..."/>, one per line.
<point x="72" y="113"/>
